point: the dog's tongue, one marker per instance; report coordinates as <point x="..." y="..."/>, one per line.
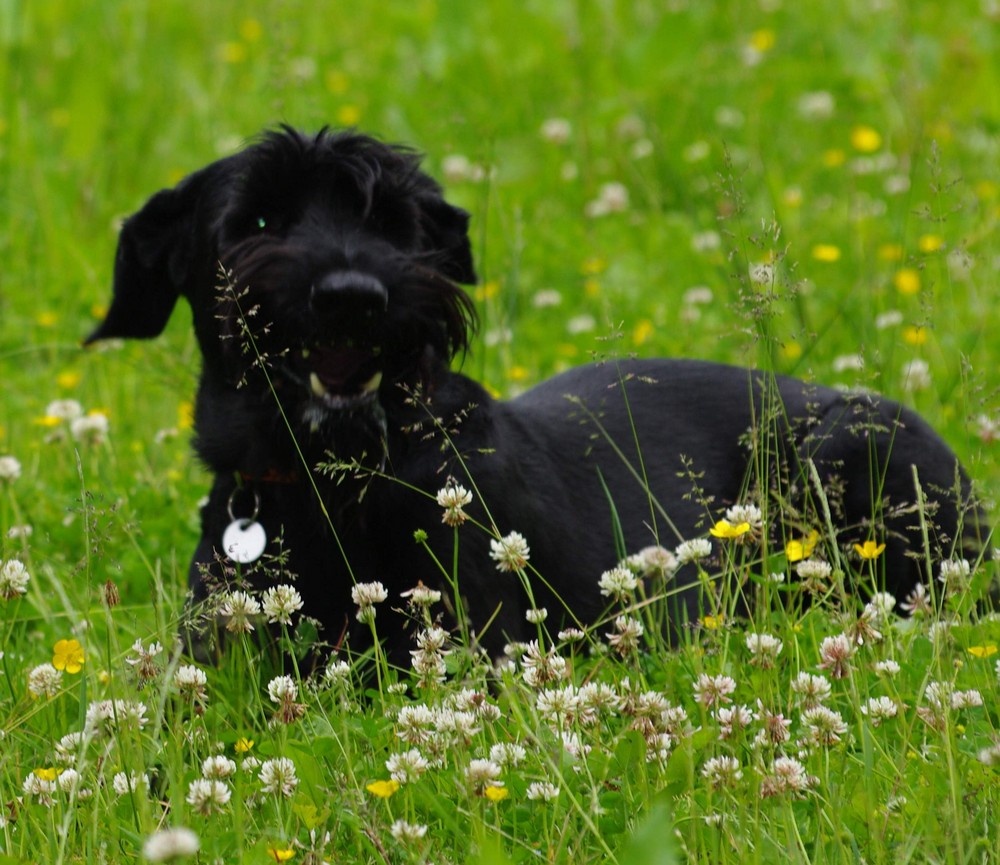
<point x="340" y="368"/>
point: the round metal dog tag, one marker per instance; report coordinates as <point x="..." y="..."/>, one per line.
<point x="244" y="541"/>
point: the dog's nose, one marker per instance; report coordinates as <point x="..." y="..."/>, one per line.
<point x="348" y="293"/>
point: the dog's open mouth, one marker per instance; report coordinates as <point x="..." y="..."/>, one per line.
<point x="340" y="375"/>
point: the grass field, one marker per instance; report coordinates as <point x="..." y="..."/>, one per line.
<point x="632" y="168"/>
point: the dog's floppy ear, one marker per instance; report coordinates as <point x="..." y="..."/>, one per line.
<point x="156" y="250"/>
<point x="447" y="236"/>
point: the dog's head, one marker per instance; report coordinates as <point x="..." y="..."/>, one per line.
<point x="334" y="254"/>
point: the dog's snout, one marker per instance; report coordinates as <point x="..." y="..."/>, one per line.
<point x="349" y="292"/>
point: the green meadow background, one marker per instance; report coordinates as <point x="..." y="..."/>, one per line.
<point x="812" y="188"/>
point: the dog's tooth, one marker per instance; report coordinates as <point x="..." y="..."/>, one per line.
<point x="316" y="385"/>
<point x="372" y="383"/>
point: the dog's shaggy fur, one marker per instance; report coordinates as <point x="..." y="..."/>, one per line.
<point x="323" y="272"/>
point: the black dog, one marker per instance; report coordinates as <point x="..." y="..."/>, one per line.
<point x="322" y="272"/>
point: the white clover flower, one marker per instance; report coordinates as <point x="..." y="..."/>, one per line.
<point x="64" y="409"/>
<point x="457" y="726"/>
<point x="703" y="241"/>
<point x="556" y="130"/>
<point x="816" y="105"/>
<point x="337" y="673"/>
<point x="70" y="782"/>
<point x="596" y="698"/>
<point x="653" y="563"/>
<point x="10" y="468"/>
<point x="916" y="375"/>
<point x="786" y="775"/>
<point x="280" y="602"/>
<point x="775" y="726"/>
<point x="546" y="298"/>
<point x="618" y="583"/>
<point x="421" y="596"/>
<point x="625" y="639"/>
<point x="44" y="681"/>
<point x="558" y="706"/>
<point x="536" y="616"/>
<point x="106" y="716"/>
<point x="732" y="719"/>
<point x="761" y="274"/>
<point x="508" y="754"/>
<point x="452" y="498"/>
<point x="722" y="772"/>
<point x="824" y="726"/>
<point x="456" y="168"/>
<point x="887" y="668"/>
<point x="890" y="318"/>
<point x="879" y="709"/>
<point x="835" y="653"/>
<point x="954" y="576"/>
<point x="407" y="833"/>
<point x="219" y="767"/>
<point x="168" y="844"/>
<point x="711" y="690"/>
<point x="132" y="782"/>
<point x="510" y="552"/>
<point x="407" y="766"/>
<point x="14" y="579"/>
<point x="971" y="699"/>
<point x="812" y="690"/>
<point x="70" y="747"/>
<point x="91" y="428"/>
<point x="482" y="772"/>
<point x="282" y="689"/>
<point x="764" y="649"/>
<point x="542" y="791"/>
<point x="990" y="755"/>
<point x="208" y="796"/>
<point x="751" y="514"/>
<point x="278" y="777"/>
<point x="814" y="570"/>
<point x="540" y="668"/>
<point x="571" y="635"/>
<point x="366" y="595"/>
<point x="144" y="661"/>
<point x="415" y="723"/>
<point x="39" y="788"/>
<point x="918" y="601"/>
<point x="693" y="550"/>
<point x="239" y="608"/>
<point x="191" y="681"/>
<point x="612" y="197"/>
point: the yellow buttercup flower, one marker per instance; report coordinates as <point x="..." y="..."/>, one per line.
<point x="48" y="774"/>
<point x="869" y="549"/>
<point x="68" y="656"/>
<point x="826" y="252"/>
<point x="982" y="651"/>
<point x="864" y="139"/>
<point x="929" y="243"/>
<point x="243" y="745"/>
<point x="383" y="789"/>
<point x="712" y="623"/>
<point x="348" y="115"/>
<point x="798" y="550"/>
<point x="495" y="793"/>
<point x="280" y="854"/>
<point x="726" y="530"/>
<point x="907" y="281"/>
